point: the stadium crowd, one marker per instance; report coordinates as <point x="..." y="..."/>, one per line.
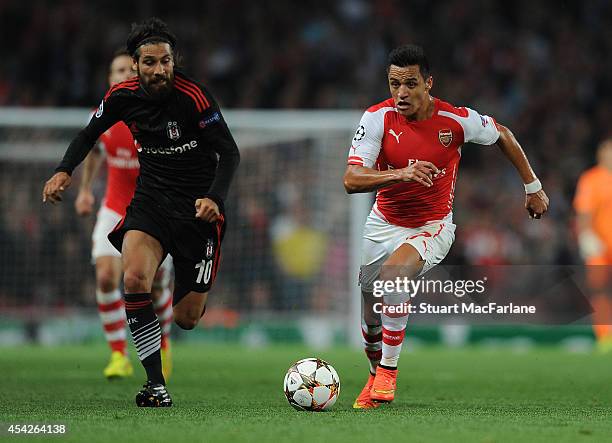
<point x="541" y="68"/>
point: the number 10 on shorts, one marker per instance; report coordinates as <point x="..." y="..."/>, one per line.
<point x="205" y="267"/>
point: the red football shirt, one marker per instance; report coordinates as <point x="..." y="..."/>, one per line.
<point x="122" y="167"/>
<point x="387" y="140"/>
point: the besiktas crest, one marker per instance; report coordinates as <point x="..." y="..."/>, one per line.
<point x="174" y="132"/>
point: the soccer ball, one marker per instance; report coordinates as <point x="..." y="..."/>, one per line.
<point x="312" y="384"/>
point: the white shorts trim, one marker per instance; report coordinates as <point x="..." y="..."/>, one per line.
<point x="433" y="240"/>
<point x="106" y="221"/>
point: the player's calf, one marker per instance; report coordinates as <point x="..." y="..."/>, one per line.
<point x="185" y="322"/>
<point x="189" y="310"/>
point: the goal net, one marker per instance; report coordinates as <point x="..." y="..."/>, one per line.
<point x="288" y="270"/>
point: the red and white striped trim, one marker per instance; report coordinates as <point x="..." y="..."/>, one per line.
<point x="371" y="338"/>
<point x="113" y="316"/>
<point x="393" y="338"/>
<point x="354" y="160"/>
<point x="114" y="326"/>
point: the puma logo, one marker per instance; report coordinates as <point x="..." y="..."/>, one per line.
<point x="397" y="136"/>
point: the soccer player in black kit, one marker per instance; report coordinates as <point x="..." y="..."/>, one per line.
<point x="187" y="160"/>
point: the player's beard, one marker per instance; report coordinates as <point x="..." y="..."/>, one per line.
<point x="158" y="87"/>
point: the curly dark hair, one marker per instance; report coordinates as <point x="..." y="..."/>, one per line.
<point x="151" y="30"/>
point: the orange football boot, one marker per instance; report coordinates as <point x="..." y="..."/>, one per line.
<point x="364" y="401"/>
<point x="383" y="388"/>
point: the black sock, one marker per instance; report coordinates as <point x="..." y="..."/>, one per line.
<point x="146" y="334"/>
<point x="389" y="368"/>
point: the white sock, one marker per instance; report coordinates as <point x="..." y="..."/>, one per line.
<point x="112" y="314"/>
<point x="393" y="330"/>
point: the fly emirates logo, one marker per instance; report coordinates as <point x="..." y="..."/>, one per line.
<point x="167" y="150"/>
<point x="412" y="161"/>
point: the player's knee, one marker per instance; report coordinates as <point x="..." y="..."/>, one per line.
<point x="107" y="281"/>
<point x="135" y="281"/>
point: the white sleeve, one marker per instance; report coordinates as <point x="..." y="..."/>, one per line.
<point x="367" y="140"/>
<point x="479" y="129"/>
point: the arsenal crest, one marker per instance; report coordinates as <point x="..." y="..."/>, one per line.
<point x="445" y="136"/>
<point x="174" y="133"/>
<point x="210" y="248"/>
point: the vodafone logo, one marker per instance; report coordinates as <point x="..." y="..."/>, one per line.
<point x="169" y="150"/>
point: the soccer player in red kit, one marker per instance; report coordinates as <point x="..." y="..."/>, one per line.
<point x="122" y="170"/>
<point x="407" y="148"/>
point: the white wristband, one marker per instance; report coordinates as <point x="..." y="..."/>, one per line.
<point x="533" y="187"/>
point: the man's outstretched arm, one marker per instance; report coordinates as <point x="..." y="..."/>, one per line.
<point x="536" y="200"/>
<point x="85" y="200"/>
<point x="78" y="150"/>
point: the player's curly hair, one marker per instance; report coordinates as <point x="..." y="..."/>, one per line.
<point x="151" y="30"/>
<point x="408" y="55"/>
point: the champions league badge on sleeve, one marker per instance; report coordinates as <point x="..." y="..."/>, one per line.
<point x="216" y="117"/>
<point x="360" y="133"/>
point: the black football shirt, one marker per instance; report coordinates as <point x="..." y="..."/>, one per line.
<point x="185" y="148"/>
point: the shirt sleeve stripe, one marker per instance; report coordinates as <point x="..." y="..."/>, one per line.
<point x="130" y="84"/>
<point x="195" y="88"/>
<point x="197" y="92"/>
<point x="190" y="94"/>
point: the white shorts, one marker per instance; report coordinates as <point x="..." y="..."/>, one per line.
<point x="106" y="221"/>
<point x="433" y="240"/>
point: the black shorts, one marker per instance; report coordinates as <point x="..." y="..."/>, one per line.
<point x="195" y="245"/>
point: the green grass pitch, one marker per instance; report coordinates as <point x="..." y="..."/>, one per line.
<point x="231" y="393"/>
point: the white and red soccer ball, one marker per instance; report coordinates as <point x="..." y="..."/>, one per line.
<point x="312" y="384"/>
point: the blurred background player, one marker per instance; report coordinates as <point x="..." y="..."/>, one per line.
<point x="122" y="170"/>
<point x="593" y="205"/>
<point x="407" y="148"/>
